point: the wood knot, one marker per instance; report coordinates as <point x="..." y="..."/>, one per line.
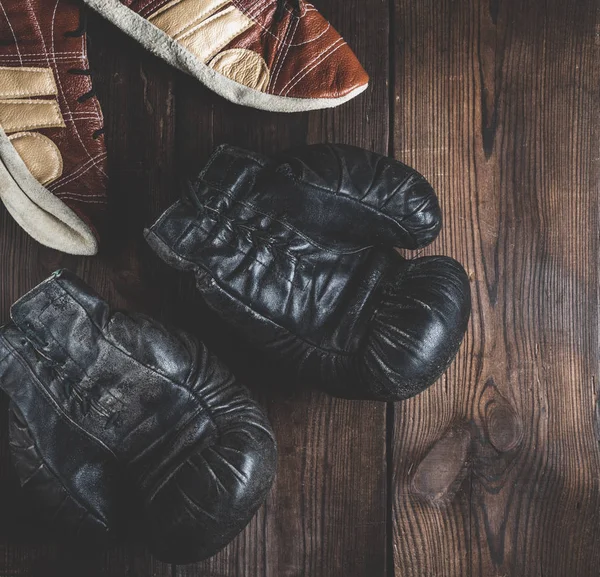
<point x="503" y="427"/>
<point x="441" y="472"/>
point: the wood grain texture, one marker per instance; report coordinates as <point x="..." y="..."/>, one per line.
<point x="326" y="515"/>
<point x="497" y="103"/>
<point x="140" y="138"/>
<point x="495" y="471"/>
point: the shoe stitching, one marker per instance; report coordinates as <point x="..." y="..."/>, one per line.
<point x="245" y="11"/>
<point x="83" y="52"/>
<point x="27" y="102"/>
<point x="152" y="8"/>
<point x="199" y="24"/>
<point x="66" y="199"/>
<point x="76" y="114"/>
<point x="43" y="54"/>
<point x="252" y="9"/>
<point x="55" y="68"/>
<point x="259" y="14"/>
<point x="35" y="69"/>
<point x="19" y="97"/>
<point x="314" y="39"/>
<point x="91" y="117"/>
<point x="38" y="61"/>
<point x="77" y="194"/>
<point x="312" y="65"/>
<point x="319" y="56"/>
<point x="73" y="175"/>
<point x="13" y="32"/>
<point x="292" y="15"/>
<point x="260" y="6"/>
<point x="283" y="54"/>
<point x="96" y="164"/>
<point x="301" y="14"/>
<point x="223" y="41"/>
<point x="79" y="198"/>
<point x="63" y="94"/>
<point x="99" y="115"/>
<point x="255" y="9"/>
<point x="66" y="196"/>
<point x="38" y="136"/>
<point x="81" y="116"/>
<point x="96" y="158"/>
<point x="278" y="55"/>
<point x="95" y="102"/>
<point x="253" y="14"/>
<point x="185" y="28"/>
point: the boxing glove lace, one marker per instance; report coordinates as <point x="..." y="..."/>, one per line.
<point x="297" y="253"/>
<point x="113" y="412"/>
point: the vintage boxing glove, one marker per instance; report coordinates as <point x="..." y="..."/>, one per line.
<point x="297" y="253"/>
<point x="115" y="410"/>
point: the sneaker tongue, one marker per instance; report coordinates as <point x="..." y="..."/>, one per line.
<point x="62" y="317"/>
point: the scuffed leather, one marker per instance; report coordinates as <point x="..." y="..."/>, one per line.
<point x="297" y="253"/>
<point x="115" y="414"/>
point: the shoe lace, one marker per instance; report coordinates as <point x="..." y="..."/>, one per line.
<point x="78" y="32"/>
<point x="281" y="5"/>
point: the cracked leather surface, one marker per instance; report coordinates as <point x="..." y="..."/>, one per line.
<point x="114" y="415"/>
<point x="297" y="253"/>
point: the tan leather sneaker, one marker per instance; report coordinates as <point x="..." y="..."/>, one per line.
<point x="52" y="152"/>
<point x="278" y="55"/>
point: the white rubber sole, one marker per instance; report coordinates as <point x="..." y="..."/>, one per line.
<point x="41" y="214"/>
<point x="163" y="46"/>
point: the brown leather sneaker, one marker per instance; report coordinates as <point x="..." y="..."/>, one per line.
<point x="278" y="55"/>
<point x="52" y="152"/>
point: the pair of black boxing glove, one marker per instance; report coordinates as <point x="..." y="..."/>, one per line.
<point x="113" y="414"/>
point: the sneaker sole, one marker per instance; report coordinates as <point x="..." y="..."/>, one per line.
<point x="41" y="214"/>
<point x="163" y="46"/>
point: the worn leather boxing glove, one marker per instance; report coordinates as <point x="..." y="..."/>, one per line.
<point x="114" y="410"/>
<point x="297" y="253"/>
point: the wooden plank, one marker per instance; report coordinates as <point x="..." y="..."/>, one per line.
<point x="136" y="91"/>
<point x="496" y="467"/>
<point x="326" y="516"/>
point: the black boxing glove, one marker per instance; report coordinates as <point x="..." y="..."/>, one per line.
<point x="102" y="398"/>
<point x="297" y="253"/>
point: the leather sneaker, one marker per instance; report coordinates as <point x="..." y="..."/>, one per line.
<point x="52" y="152"/>
<point x="278" y="55"/>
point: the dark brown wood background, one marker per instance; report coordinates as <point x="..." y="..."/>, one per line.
<point x="495" y="471"/>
